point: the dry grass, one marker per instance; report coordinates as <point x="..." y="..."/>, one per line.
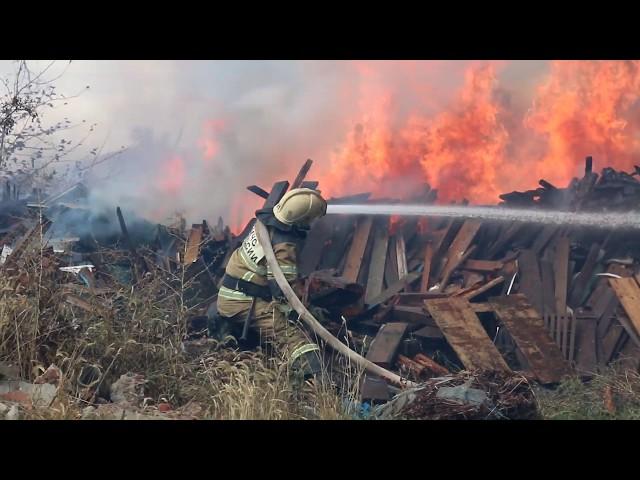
<point x="140" y="329"/>
<point x="611" y="395"/>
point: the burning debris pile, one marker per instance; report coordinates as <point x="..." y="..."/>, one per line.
<point x="447" y="303"/>
<point x="543" y="301"/>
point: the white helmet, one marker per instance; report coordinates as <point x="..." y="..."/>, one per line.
<point x="300" y="206"/>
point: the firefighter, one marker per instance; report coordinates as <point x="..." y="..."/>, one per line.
<point x="250" y="292"/>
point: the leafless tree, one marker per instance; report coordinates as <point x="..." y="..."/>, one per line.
<point x="31" y="148"/>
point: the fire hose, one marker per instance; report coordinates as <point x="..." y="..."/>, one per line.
<point x="310" y="320"/>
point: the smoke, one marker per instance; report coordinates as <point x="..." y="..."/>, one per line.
<point x="198" y="132"/>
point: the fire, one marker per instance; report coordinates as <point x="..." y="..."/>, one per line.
<point x="476" y="142"/>
<point x="481" y="146"/>
<point x="587" y="108"/>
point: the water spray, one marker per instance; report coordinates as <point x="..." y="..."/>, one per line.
<point x="629" y="220"/>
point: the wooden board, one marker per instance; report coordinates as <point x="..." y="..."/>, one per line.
<point x="561" y="270"/>
<point x="426" y="269"/>
<point x="391" y="265"/>
<point x="385" y="345"/>
<point x="337" y="245"/>
<point x="585" y="355"/>
<point x="401" y="256"/>
<point x="464" y="332"/>
<point x="482" y="265"/>
<point x="459" y="246"/>
<point x="357" y="248"/>
<point x="582" y="280"/>
<point x="548" y="290"/>
<point x="302" y="174"/>
<point x="193" y="245"/>
<point x="375" y="281"/>
<point x="314" y="245"/>
<point x="628" y="292"/>
<point x="530" y="280"/>
<point x="526" y="327"/>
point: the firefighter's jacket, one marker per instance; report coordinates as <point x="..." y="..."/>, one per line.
<point x="248" y="262"/>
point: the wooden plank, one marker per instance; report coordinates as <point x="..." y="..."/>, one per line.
<point x="393" y="290"/>
<point x="277" y="192"/>
<point x="582" y="280"/>
<point x="482" y="265"/>
<point x="301" y="174"/>
<point x="548" y="290"/>
<point x="585" y="344"/>
<point x="628" y="292"/>
<point x="487" y="286"/>
<point x="391" y="265"/>
<point x="313" y="185"/>
<point x="426" y="269"/>
<point x="313" y="247"/>
<point x="504" y="239"/>
<point x="401" y="257"/>
<point x="609" y="343"/>
<point x="342" y="227"/>
<point x="530" y="280"/>
<point x="258" y="191"/>
<point x="459" y="246"/>
<point x="447" y="274"/>
<point x="357" y="248"/>
<point x="385" y="345"/>
<point x="561" y="270"/>
<point x="192" y="252"/>
<point x="375" y="280"/>
<point x="464" y="332"/>
<point x="374" y="389"/>
<point x="526" y="327"/>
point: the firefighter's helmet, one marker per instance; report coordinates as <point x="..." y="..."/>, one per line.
<point x="300" y="206"/>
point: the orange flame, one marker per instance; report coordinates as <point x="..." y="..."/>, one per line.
<point x="478" y="145"/>
<point x="482" y="146"/>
